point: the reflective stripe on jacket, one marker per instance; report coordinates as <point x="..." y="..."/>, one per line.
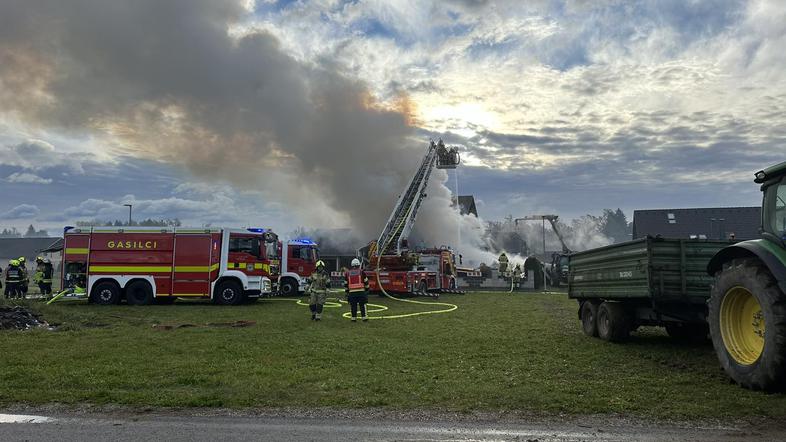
<point x="356" y="281"/>
<point x="13" y="274"/>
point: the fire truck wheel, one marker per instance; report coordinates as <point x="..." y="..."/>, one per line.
<point x="105" y="293"/>
<point x="289" y="287"/>
<point x="229" y="293"/>
<point x="139" y="292"/>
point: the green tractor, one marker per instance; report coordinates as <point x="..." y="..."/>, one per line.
<point x="747" y="306"/>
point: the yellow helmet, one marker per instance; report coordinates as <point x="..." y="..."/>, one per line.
<point x="320" y="263"/>
<point x="21" y="259"/>
<point x="39" y="259"/>
<point x="13" y="262"/>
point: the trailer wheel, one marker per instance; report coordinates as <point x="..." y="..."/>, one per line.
<point x="747" y="316"/>
<point x="289" y="287"/>
<point x="589" y="318"/>
<point x="139" y="292"/>
<point x="695" y="333"/>
<point x="105" y="293"/>
<point x="229" y="293"/>
<point x="613" y="322"/>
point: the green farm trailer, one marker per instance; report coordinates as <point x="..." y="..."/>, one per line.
<point x="649" y="281"/>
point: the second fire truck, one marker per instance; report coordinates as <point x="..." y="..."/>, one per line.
<point x="146" y="265"/>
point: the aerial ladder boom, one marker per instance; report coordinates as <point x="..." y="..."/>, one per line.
<point x="402" y="218"/>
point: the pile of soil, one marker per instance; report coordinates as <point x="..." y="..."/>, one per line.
<point x="19" y="318"/>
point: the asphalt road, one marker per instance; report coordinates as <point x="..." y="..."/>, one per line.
<point x="172" y="426"/>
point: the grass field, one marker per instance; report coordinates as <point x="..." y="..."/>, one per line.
<point x="522" y="352"/>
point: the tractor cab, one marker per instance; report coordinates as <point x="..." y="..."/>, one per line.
<point x="773" y="184"/>
<point x="447" y="158"/>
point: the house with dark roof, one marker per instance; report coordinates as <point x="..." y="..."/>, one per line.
<point x="12" y="248"/>
<point x="704" y="223"/>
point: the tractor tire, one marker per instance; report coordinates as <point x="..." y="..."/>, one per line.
<point x="747" y="317"/>
<point x="613" y="322"/>
<point x="229" y="293"/>
<point x="693" y="333"/>
<point x="288" y="287"/>
<point x="139" y="292"/>
<point x="105" y="293"/>
<point x="589" y="318"/>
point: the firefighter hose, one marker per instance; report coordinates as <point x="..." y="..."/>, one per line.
<point x="449" y="307"/>
<point x="511" y="285"/>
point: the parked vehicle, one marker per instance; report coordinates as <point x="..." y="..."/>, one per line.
<point x="297" y="264"/>
<point x="747" y="308"/>
<point x="146" y="265"/>
<point x="649" y="281"/>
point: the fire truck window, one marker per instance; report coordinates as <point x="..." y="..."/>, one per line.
<point x="271" y="250"/>
<point x="241" y="245"/>
<point x="305" y="254"/>
<point x="779" y="218"/>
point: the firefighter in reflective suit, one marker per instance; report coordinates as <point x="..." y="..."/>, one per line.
<point x="320" y="281"/>
<point x="356" y="287"/>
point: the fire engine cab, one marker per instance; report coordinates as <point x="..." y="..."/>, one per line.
<point x="146" y="265"/>
<point x="298" y="262"/>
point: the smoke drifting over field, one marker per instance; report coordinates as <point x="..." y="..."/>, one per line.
<point x="182" y="81"/>
<point x="172" y="81"/>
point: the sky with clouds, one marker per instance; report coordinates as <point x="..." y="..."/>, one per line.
<point x="315" y="113"/>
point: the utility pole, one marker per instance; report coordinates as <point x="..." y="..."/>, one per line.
<point x="129" y="212"/>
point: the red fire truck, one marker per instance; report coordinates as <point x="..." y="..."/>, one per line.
<point x="146" y="265"/>
<point x="298" y="263"/>
<point x="427" y="272"/>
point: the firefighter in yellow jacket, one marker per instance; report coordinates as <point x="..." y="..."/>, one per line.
<point x="320" y="281"/>
<point x="503" y="263"/>
<point x="356" y="287"/>
<point x="43" y="276"/>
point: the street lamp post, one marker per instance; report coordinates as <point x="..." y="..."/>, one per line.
<point x="129" y="212"/>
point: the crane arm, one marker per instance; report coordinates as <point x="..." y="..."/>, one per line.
<point x="552" y="219"/>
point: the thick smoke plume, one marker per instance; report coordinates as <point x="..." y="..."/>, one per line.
<point x="181" y="81"/>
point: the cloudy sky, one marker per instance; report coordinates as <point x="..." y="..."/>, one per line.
<point x="315" y="113"/>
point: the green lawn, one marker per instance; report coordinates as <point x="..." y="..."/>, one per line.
<point x="522" y="352"/>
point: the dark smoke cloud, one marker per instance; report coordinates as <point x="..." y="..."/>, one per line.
<point x="170" y="81"/>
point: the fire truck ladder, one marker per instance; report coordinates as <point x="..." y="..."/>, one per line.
<point x="403" y="216"/>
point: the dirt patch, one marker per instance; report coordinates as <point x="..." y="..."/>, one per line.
<point x="19" y="318"/>
<point x="240" y="323"/>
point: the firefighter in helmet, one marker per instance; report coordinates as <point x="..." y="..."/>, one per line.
<point x="516" y="277"/>
<point x="356" y="287"/>
<point x="503" y="263"/>
<point x="13" y="279"/>
<point x="43" y="276"/>
<point x="25" y="277"/>
<point x="320" y="281"/>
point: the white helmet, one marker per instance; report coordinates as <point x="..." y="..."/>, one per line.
<point x="355" y="262"/>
